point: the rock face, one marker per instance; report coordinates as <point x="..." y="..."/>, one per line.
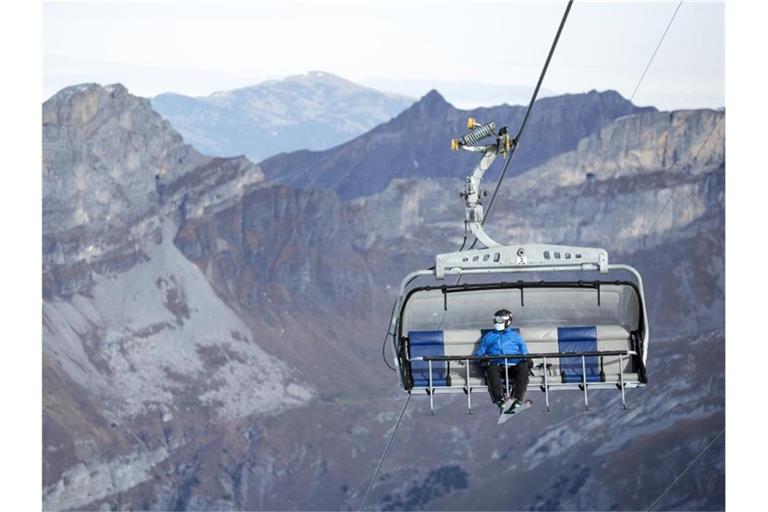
<point x="130" y="326"/>
<point x="188" y="325"/>
<point x="313" y="111"/>
<point x="112" y="170"/>
<point x="414" y="143"/>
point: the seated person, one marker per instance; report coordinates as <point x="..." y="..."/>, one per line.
<point x="503" y="341"/>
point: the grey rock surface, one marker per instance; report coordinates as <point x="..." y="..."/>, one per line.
<point x="414" y="144"/>
<point x="215" y="342"/>
<point x="112" y="170"/>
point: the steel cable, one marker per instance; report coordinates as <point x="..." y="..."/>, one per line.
<point x="685" y="471"/>
<point x="642" y="77"/>
<point x="384" y="455"/>
<point x="519" y="134"/>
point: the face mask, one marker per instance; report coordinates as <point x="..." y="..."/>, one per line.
<point x="499" y="327"/>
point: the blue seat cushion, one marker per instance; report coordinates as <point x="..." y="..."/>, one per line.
<point x="578" y="339"/>
<point x="428" y="343"/>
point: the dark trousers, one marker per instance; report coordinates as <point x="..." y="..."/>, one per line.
<point x="518" y="375"/>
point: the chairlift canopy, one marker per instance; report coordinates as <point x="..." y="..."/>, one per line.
<point x="602" y="322"/>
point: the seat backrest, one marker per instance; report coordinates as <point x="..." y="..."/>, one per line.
<point x="462" y="342"/>
<point x="428" y="343"/>
<point x="578" y="339"/>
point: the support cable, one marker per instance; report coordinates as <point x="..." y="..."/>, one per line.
<point x="631" y="98"/>
<point x="519" y="134"/>
<point x="653" y="56"/>
<point x="685" y="471"/>
<point x="642" y="77"/>
<point x="384" y="455"/>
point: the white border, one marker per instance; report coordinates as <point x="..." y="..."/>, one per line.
<point x="21" y="339"/>
<point x="745" y="238"/>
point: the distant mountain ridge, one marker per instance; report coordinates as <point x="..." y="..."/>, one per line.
<point x="462" y="94"/>
<point x="313" y="111"/>
<point x="422" y="135"/>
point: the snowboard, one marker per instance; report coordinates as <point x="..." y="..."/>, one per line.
<point x="503" y="418"/>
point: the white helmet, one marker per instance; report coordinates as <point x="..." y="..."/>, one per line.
<point x="502" y="319"/>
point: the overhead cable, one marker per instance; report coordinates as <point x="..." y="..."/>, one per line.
<point x="519" y="134"/>
<point x="384" y="455"/>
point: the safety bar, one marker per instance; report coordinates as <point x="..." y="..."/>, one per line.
<point x="558" y="355"/>
<point x="525" y="356"/>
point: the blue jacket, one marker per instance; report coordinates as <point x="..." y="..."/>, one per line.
<point x="496" y="343"/>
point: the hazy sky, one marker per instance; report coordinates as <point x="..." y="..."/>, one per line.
<point x="200" y="47"/>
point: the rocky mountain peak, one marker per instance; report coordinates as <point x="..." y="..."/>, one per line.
<point x="79" y="104"/>
<point x="111" y="165"/>
<point x="314" y="78"/>
<point x="102" y="148"/>
<point x="433" y="99"/>
<point x="427" y="108"/>
<point x="415" y="144"/>
<point x="313" y="111"/>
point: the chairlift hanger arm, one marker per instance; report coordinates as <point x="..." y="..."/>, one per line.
<point x="474" y="216"/>
<point x="472" y="195"/>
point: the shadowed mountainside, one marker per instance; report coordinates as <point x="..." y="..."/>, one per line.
<point x="414" y="143"/>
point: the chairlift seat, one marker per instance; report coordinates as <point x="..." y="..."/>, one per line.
<point x="540" y="340"/>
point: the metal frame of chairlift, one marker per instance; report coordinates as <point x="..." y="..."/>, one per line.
<point x="584" y="385"/>
<point x="497" y="258"/>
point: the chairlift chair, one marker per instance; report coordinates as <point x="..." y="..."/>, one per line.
<point x="583" y="333"/>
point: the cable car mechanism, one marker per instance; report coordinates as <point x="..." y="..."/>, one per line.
<point x="581" y="334"/>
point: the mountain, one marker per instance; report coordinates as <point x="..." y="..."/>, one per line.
<point x="463" y="93"/>
<point x="413" y="144"/>
<point x="129" y="324"/>
<point x="212" y="338"/>
<point x="315" y="111"/>
<point x="111" y="168"/>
